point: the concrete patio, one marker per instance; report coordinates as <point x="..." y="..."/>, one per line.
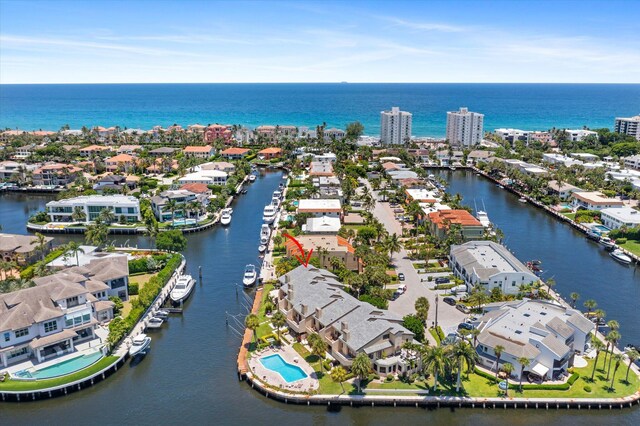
<point x="273" y="378"/>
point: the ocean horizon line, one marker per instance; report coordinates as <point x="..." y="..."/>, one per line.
<point x="331" y="82"/>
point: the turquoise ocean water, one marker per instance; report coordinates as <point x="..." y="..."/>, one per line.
<point x="525" y="106"/>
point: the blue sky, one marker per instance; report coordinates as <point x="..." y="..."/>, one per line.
<point x="140" y="41"/>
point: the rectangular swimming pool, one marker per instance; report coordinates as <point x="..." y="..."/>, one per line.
<point x="290" y="373"/>
<point x="62" y="368"/>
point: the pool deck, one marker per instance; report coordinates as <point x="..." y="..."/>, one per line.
<point x="274" y="379"/>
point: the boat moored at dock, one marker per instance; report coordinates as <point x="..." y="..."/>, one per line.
<point x="269" y="214"/>
<point x="140" y="346"/>
<point x="620" y="256"/>
<point x="225" y="219"/>
<point x="183" y="288"/>
<point x="250" y="276"/>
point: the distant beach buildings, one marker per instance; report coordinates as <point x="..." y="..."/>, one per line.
<point x="629" y="126"/>
<point x="395" y="126"/>
<point x="464" y="128"/>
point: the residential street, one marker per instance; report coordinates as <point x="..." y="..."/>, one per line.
<point x="448" y="316"/>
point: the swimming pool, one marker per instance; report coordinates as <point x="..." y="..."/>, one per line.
<point x="181" y="222"/>
<point x="62" y="368"/>
<point x="290" y="373"/>
<point x="600" y="228"/>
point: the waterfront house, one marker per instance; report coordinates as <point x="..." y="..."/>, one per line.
<point x="24" y="152"/>
<point x="62" y="311"/>
<point x="617" y="217"/>
<point x="326" y="182"/>
<point x="321" y="207"/>
<point x="489" y="265"/>
<point x="326" y="247"/>
<point x="270" y="153"/>
<point x="197" y="188"/>
<point x="223" y="166"/>
<point x="235" y="153"/>
<point x="181" y="197"/>
<point x="114" y="183"/>
<point x="55" y="174"/>
<point x="322" y="225"/>
<point x="594" y="201"/>
<point x="11" y="171"/>
<point x="92" y="150"/>
<point x="440" y="222"/>
<point x="123" y="206"/>
<point x="22" y="249"/>
<point x="121" y="162"/>
<point x="199" y="151"/>
<point x="314" y="301"/>
<point x="563" y="191"/>
<point x="207" y="177"/>
<point x="544" y="332"/>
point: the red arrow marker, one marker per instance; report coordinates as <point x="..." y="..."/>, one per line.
<point x="303" y="261"/>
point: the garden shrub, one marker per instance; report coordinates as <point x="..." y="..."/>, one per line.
<point x="133" y="289"/>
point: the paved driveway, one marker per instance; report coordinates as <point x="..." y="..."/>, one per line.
<point x="448" y="316"/>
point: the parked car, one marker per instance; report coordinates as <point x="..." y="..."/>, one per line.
<point x="449" y="301"/>
<point x="442" y="280"/>
<point x="401" y="276"/>
<point x="395" y="296"/>
<point x="402" y="288"/>
<point x="465" y="326"/>
<point x="463" y="308"/>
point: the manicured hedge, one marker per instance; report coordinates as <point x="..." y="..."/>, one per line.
<point x="516" y="385"/>
<point x="27" y="273"/>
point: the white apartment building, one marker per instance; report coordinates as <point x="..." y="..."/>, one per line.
<point x="579" y="134"/>
<point x="395" y="126"/>
<point x="489" y="265"/>
<point x="92" y="205"/>
<point x="464" y="128"/>
<point x="208" y="177"/>
<point x="594" y="201"/>
<point x="629" y="126"/>
<point x="632" y="162"/>
<point x="617" y="217"/>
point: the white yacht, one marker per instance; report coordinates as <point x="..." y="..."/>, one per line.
<point x="252" y="177"/>
<point x="250" y="275"/>
<point x="225" y="219"/>
<point x="619" y="255"/>
<point x="262" y="248"/>
<point x="162" y="313"/>
<point x="155" y="322"/>
<point x="277" y="194"/>
<point x="607" y="243"/>
<point x="275" y="201"/>
<point x="141" y="343"/>
<point x="522" y="200"/>
<point x="227" y="210"/>
<point x="265" y="233"/>
<point x="483" y="218"/>
<point x="182" y="289"/>
<point x="269" y="214"/>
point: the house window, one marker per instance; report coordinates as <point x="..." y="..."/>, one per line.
<point x="68" y="322"/>
<point x="86" y="317"/>
<point x="50" y="326"/>
<point x="385" y="336"/>
<point x="7" y="337"/>
<point x="17" y="353"/>
<point x="22" y="332"/>
<point x="72" y="301"/>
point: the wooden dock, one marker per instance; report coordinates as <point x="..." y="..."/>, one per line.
<point x="246" y="339"/>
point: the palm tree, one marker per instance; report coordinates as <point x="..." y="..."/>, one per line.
<point x="524" y="363"/>
<point x="461" y="352"/>
<point x="598" y="346"/>
<point x="96" y="234"/>
<point x="252" y="322"/>
<point x="392" y="244"/>
<point x="475" y="333"/>
<point x="422" y="308"/>
<point x="599" y="314"/>
<point x="434" y="362"/>
<point x="574" y="298"/>
<point x="633" y="356"/>
<point x="339" y="375"/>
<point x="78" y="214"/>
<point x="41" y="244"/>
<point x="318" y="348"/>
<point x="107" y="216"/>
<point x="361" y="367"/>
<point x="498" y="351"/>
<point x="278" y="320"/>
<point x="618" y="358"/>
<point x="613" y="337"/>
<point x="73" y="247"/>
<point x="172" y="206"/>
<point x="507" y="368"/>
<point x="590" y="305"/>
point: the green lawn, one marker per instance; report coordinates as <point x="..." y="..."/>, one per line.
<point x="327" y="385"/>
<point x="571" y="216"/>
<point x="632" y="245"/>
<point x="354" y="227"/>
<point x="20" y="385"/>
<point x="265" y="327"/>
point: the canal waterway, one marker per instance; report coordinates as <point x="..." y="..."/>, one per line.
<point x="189" y="376"/>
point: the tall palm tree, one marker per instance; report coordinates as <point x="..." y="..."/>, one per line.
<point x="524" y="363"/>
<point x="614" y="337"/>
<point x="73" y="247"/>
<point x="461" y="352"/>
<point x="318" y="348"/>
<point x="507" y="368"/>
<point x="590" y="305"/>
<point x="574" y="298"/>
<point x="41" y="244"/>
<point x="599" y="314"/>
<point x="434" y="362"/>
<point x="618" y="358"/>
<point x="361" y="367"/>
<point x="172" y="206"/>
<point x="107" y="216"/>
<point x="78" y="214"/>
<point x="498" y="351"/>
<point x="339" y="375"/>
<point x="252" y="322"/>
<point x="633" y="356"/>
<point x="278" y="320"/>
<point x="598" y="346"/>
<point x="392" y="244"/>
<point x="475" y="333"/>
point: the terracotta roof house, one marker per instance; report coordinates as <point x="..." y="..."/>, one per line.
<point x="159" y="152"/>
<point x="235" y="153"/>
<point x="331" y="245"/>
<point x="55" y="174"/>
<point x="125" y="162"/>
<point x="199" y="151"/>
<point x="196" y="188"/>
<point x="21" y="248"/>
<point x="88" y="151"/>
<point x="269" y="153"/>
<point x="440" y="223"/>
<point x="217" y="132"/>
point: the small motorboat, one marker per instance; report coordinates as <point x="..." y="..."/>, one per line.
<point x="607" y="243"/>
<point x="594" y="235"/>
<point x="244" y="191"/>
<point x="275" y="201"/>
<point x="500" y="186"/>
<point x="277" y="194"/>
<point x="162" y="313"/>
<point x="281" y="185"/>
<point x="432" y="177"/>
<point x="252" y="178"/>
<point x="452" y="168"/>
<point x="536" y="262"/>
<point x="620" y="256"/>
<point x="140" y="345"/>
<point x="225" y="219"/>
<point x="155" y="322"/>
<point x="250" y="275"/>
<point x="522" y="200"/>
<point x="262" y="248"/>
<point x="182" y="289"/>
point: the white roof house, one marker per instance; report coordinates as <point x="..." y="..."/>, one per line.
<point x="92" y="205"/>
<point x="208" y="177"/>
<point x="322" y="225"/>
<point x="614" y="218"/>
<point x="594" y="201"/>
<point x="321" y="207"/>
